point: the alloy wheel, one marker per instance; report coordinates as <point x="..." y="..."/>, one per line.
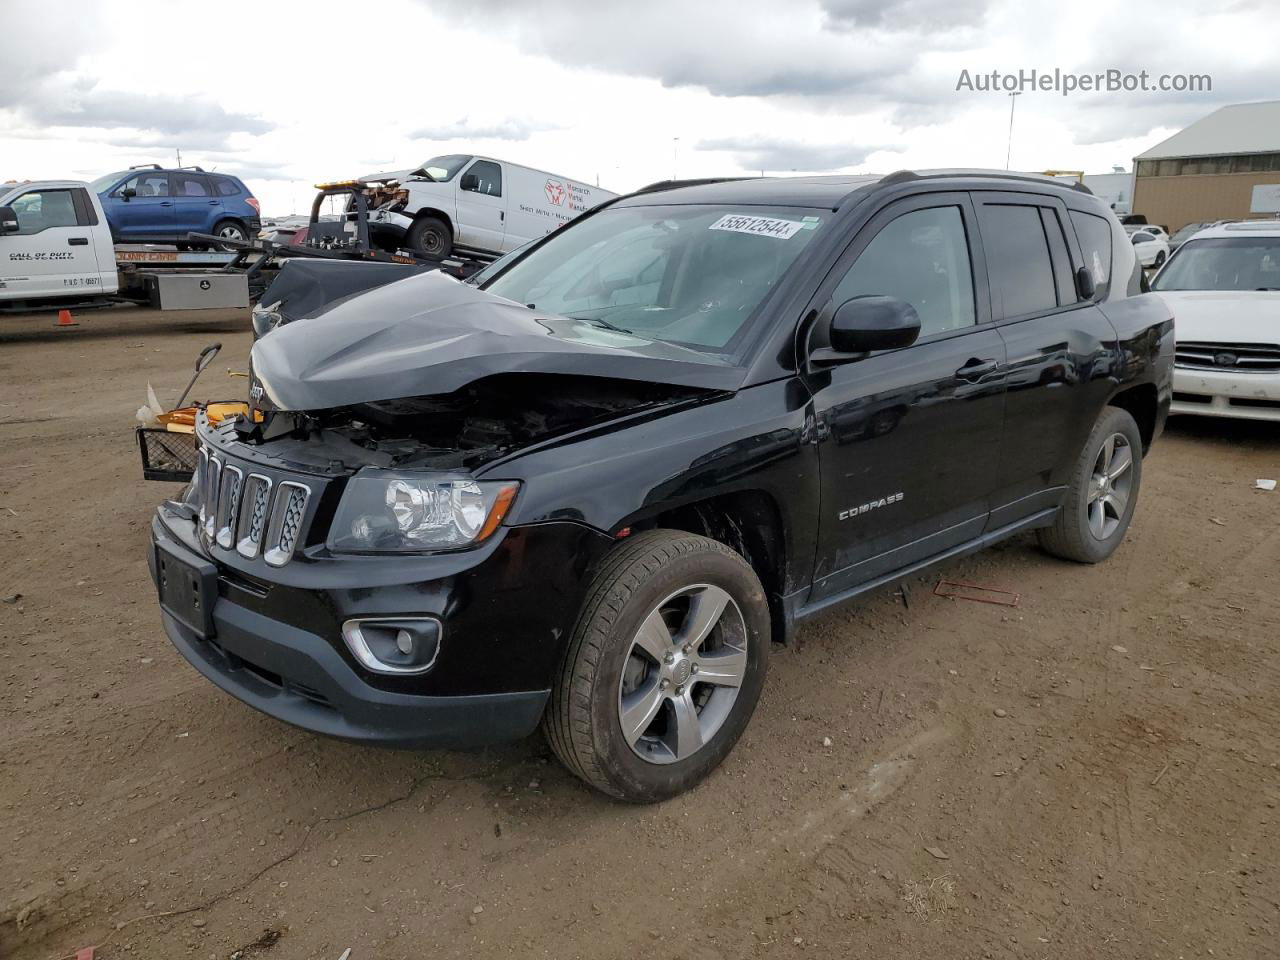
<point x="1110" y="486"/>
<point x="682" y="674"/>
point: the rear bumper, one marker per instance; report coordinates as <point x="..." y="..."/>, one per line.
<point x="1209" y="393"/>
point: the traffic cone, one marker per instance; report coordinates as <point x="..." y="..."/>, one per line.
<point x="64" y="319"/>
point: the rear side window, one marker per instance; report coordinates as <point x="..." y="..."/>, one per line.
<point x="185" y="185"/>
<point x="922" y="258"/>
<point x="1058" y="256"/>
<point x="1094" y="234"/>
<point x="1017" y="260"/>
<point x="227" y="188"/>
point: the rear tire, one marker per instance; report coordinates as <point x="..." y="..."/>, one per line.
<point x="1160" y="258"/>
<point x="664" y="668"/>
<point x="430" y="237"/>
<point x="1103" y="492"/>
<point x="230" y="230"/>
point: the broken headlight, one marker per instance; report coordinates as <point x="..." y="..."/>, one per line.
<point x="383" y="511"/>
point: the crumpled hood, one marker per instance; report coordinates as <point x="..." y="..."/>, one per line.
<point x="1225" y="316"/>
<point x="432" y="335"/>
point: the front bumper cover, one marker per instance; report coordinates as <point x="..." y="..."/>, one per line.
<point x="275" y="653"/>
<point x="1226" y="393"/>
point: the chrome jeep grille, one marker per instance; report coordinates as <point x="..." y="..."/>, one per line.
<point x="224" y="519"/>
<point x="1235" y="357"/>
<point x="286" y="522"/>
<point x="251" y="514"/>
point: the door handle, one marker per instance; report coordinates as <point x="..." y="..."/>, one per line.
<point x="77" y="241"/>
<point x="213" y="203"/>
<point x="976" y="369"/>
<point x="165" y="203"/>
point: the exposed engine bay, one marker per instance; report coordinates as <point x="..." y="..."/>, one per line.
<point x="474" y="425"/>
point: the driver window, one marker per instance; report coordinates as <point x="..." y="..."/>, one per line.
<point x="488" y="178"/>
<point x="42" y="209"/>
<point x="922" y="258"/>
<point x="148" y="184"/>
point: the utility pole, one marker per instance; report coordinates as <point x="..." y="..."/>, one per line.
<point x="675" y="157"/>
<point x="179" y="152"/>
<point x="1012" y="103"/>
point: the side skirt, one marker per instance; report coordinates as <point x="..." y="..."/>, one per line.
<point x="797" y="610"/>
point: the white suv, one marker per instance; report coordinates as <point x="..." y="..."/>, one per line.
<point x="1223" y="285"/>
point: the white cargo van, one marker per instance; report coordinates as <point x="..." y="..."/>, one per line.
<point x="472" y="204"/>
<point x="54" y="242"/>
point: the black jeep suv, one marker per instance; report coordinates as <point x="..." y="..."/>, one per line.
<point x="589" y="491"/>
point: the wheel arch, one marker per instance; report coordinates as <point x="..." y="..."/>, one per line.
<point x="438" y="214"/>
<point x="749" y="522"/>
<point x="1141" y="401"/>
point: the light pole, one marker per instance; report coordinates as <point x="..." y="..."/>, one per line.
<point x="675" y="156"/>
<point x="1012" y="103"/>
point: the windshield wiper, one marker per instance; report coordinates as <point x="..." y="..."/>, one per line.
<point x="603" y="323"/>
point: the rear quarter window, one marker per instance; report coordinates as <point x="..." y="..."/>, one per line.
<point x="1094" y="234"/>
<point x="227" y="188"/>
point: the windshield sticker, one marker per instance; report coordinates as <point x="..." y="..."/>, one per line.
<point x="760" y="226"/>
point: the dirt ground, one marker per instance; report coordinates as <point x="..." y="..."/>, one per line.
<point x="1094" y="773"/>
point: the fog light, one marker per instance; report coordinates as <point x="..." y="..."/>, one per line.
<point x="397" y="645"/>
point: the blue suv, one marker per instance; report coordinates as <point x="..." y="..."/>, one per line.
<point x="149" y="204"/>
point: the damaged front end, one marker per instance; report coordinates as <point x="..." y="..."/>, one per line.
<point x="480" y="423"/>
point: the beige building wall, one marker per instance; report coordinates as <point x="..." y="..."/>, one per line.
<point x="1174" y="202"/>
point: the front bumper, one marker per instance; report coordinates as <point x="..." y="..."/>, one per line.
<point x="1211" y="393"/>
<point x="278" y="647"/>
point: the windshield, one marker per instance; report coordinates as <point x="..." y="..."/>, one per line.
<point x="444" y="168"/>
<point x="483" y="276"/>
<point x="1224" y="263"/>
<point x="1190" y="230"/>
<point x="107" y="180"/>
<point x="691" y="275"/>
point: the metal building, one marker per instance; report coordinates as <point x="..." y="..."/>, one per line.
<point x="1210" y="170"/>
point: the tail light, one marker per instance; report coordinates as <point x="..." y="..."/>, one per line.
<point x="253" y="202"/>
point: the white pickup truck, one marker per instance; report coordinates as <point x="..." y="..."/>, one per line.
<point x="472" y="204"/>
<point x="54" y="242"/>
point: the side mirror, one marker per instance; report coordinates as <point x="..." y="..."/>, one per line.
<point x="128" y="193"/>
<point x="8" y="220"/>
<point x="1085" y="287"/>
<point x="470" y="182"/>
<point x="865" y="324"/>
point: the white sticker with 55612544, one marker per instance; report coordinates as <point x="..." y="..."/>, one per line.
<point x="760" y="226"/>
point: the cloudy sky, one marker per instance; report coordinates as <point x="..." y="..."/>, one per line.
<point x="288" y="93"/>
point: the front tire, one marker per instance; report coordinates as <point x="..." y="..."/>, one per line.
<point x="664" y="668"/>
<point x="430" y="237"/>
<point x="1102" y="494"/>
<point x="1160" y="258"/>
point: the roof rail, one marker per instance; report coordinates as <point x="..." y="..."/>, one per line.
<point x="196" y="169"/>
<point x="147" y="166"/>
<point x="898" y="176"/>
<point x="660" y="185"/>
<point x="903" y="176"/>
